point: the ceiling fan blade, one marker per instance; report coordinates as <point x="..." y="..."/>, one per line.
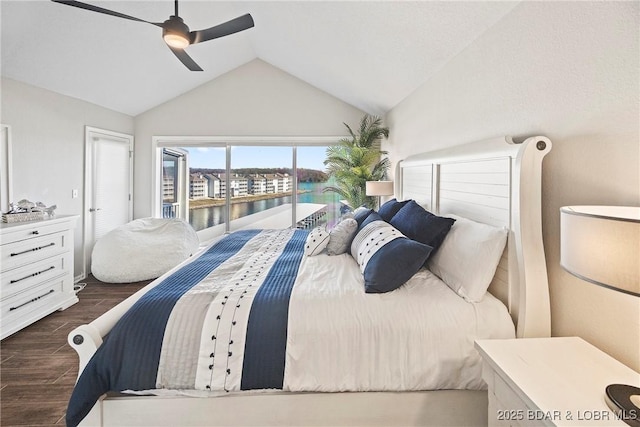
<point x="185" y="59"/>
<point x="240" y="23"/>
<point x="103" y="10"/>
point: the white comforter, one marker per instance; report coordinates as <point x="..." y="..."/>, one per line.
<point x="418" y="337"/>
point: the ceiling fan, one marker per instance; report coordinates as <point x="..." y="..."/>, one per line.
<point x="175" y="32"/>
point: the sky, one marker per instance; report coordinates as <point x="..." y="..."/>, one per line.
<point x="256" y="157"/>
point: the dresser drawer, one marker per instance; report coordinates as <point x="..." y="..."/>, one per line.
<point x="23" y="252"/>
<point x="16" y="232"/>
<point x="37" y="298"/>
<point x="21" y="278"/>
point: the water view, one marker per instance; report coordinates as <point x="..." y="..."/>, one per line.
<point x="202" y="218"/>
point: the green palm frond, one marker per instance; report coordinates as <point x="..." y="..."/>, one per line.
<point x="354" y="161"/>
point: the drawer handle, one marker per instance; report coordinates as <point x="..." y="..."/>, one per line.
<point x="31" y="300"/>
<point x="32" y="275"/>
<point x="32" y="249"/>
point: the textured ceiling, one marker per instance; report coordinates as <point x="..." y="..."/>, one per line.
<point x="368" y="54"/>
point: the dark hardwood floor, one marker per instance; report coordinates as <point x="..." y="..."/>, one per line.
<point x="38" y="368"/>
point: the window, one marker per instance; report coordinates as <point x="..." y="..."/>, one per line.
<point x="315" y="206"/>
<point x="252" y="185"/>
<point x="207" y="189"/>
<point x="261" y="181"/>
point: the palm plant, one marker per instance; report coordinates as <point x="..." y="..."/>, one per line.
<point x="356" y="160"/>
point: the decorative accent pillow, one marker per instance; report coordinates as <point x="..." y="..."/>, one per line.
<point x="468" y="257"/>
<point x="418" y="224"/>
<point x="387" y="259"/>
<point x="361" y="214"/>
<point x="317" y="240"/>
<point x="390" y="208"/>
<point x="341" y="236"/>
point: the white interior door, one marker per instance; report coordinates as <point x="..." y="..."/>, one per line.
<point x="108" y="185"/>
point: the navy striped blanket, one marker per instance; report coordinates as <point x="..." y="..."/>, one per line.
<point x="218" y="323"/>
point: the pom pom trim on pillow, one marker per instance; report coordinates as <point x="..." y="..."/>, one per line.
<point x="387" y="259"/>
<point x="317" y="240"/>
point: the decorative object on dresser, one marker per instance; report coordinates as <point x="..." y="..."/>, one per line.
<point x="379" y="188"/>
<point x="26" y="210"/>
<point x="37" y="271"/>
<point x="601" y="245"/>
<point x="552" y="382"/>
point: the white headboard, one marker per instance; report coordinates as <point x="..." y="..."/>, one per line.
<point x="497" y="182"/>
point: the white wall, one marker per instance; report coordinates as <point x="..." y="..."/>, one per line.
<point x="255" y="99"/>
<point x="47" y="132"/>
<point x="570" y="71"/>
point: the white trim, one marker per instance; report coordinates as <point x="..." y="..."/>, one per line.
<point x="6" y="168"/>
<point x="221" y="141"/>
<point x="89" y="135"/>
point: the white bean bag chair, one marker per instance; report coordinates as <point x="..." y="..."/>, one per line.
<point x="142" y="249"/>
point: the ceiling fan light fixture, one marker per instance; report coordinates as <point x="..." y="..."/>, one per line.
<point x="176" y="40"/>
<point x="175" y="32"/>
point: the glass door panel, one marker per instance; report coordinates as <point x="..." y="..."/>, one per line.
<point x="315" y="206"/>
<point x="260" y="183"/>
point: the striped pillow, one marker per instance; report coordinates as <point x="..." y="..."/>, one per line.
<point x="317" y="240"/>
<point x="386" y="257"/>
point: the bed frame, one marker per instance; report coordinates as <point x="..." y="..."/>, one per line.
<point x="497" y="182"/>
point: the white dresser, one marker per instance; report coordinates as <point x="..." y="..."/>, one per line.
<point x="36" y="271"/>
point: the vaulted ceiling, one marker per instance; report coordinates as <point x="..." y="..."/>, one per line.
<point x="368" y="54"/>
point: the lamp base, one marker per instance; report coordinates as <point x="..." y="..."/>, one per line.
<point x="624" y="401"/>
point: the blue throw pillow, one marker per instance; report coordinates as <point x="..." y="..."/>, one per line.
<point x="390" y="208"/>
<point x="361" y="214"/>
<point x="373" y="216"/>
<point x="387" y="259"/>
<point x="421" y="225"/>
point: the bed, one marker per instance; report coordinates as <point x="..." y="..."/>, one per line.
<point x="285" y="336"/>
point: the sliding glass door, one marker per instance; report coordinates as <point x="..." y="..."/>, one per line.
<point x="232" y="187"/>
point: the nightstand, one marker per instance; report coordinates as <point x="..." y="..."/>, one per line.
<point x="550" y="382"/>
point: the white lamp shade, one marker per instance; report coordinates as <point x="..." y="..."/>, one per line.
<point x="601" y="244"/>
<point x="379" y="188"/>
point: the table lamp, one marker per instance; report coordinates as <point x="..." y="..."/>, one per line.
<point x="379" y="188"/>
<point x="601" y="244"/>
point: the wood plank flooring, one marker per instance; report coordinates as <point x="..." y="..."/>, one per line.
<point x="38" y="369"/>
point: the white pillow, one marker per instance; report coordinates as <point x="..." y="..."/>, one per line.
<point x="468" y="257"/>
<point x="341" y="236"/>
<point x="317" y="240"/>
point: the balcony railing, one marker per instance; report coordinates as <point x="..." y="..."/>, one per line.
<point x="170" y="210"/>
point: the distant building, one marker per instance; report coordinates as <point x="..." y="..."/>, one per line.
<point x="239" y="185"/>
<point x="278" y="183"/>
<point x="198" y="186"/>
<point x="257" y="184"/>
<point x="214" y="185"/>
